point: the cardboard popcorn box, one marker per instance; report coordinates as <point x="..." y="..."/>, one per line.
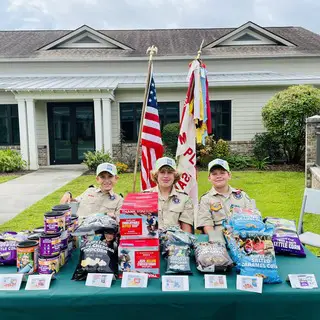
<point x="139" y="216"/>
<point x="139" y="255"/>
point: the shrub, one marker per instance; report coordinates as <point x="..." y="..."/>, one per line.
<point x="221" y="149"/>
<point x="93" y="158"/>
<point x="260" y="164"/>
<point x="11" y="160"/>
<point x="170" y="134"/>
<point x="121" y="167"/>
<point x="266" y="145"/>
<point x="167" y="153"/>
<point x="212" y="150"/>
<point x="239" y="162"/>
<point x="284" y="117"/>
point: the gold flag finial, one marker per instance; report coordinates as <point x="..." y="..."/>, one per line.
<point x="199" y="51"/>
<point x="151" y="51"/>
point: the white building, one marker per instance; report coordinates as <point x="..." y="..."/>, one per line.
<point x="65" y="92"/>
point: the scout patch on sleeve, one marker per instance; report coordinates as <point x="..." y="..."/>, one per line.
<point x="237" y="195"/>
<point x="176" y="200"/>
<point x="215" y="206"/>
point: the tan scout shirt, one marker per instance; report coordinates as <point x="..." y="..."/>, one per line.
<point x="177" y="208"/>
<point x="214" y="208"/>
<point x="93" y="200"/>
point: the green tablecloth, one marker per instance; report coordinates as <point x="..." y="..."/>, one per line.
<point x="67" y="299"/>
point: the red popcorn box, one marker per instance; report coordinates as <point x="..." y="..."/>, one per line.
<point x="139" y="255"/>
<point x="139" y="216"/>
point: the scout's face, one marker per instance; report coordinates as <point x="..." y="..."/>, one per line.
<point x="106" y="181"/>
<point x="219" y="177"/>
<point x="165" y="177"/>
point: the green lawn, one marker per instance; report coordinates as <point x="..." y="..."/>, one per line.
<point x="277" y="194"/>
<point x="7" y="178"/>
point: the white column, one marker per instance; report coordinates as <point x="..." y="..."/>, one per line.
<point x="23" y="130"/>
<point x="107" y="125"/>
<point x="32" y="135"/>
<point x="98" y="124"/>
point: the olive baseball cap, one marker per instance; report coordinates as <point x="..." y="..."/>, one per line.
<point x="218" y="163"/>
<point x="165" y="161"/>
<point x="106" y="167"/>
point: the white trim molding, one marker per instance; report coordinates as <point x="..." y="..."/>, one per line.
<point x="255" y="30"/>
<point x="81" y="32"/>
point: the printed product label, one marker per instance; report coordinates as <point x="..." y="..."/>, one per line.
<point x="49" y="246"/>
<point x="54" y="224"/>
<point x="147" y="259"/>
<point x="130" y="227"/>
<point x="49" y="266"/>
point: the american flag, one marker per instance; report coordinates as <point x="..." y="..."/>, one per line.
<point x="151" y="142"/>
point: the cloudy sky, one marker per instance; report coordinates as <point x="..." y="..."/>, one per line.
<point x="131" y="14"/>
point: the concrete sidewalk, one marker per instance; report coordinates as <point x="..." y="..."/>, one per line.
<point x="18" y="194"/>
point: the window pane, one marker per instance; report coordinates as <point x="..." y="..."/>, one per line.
<point x="3" y="111"/>
<point x="168" y="112"/>
<point x="15" y="130"/>
<point x="4" y="135"/>
<point x="221" y="119"/>
<point x="15" y="137"/>
<point x="14" y="110"/>
<point x="130" y="114"/>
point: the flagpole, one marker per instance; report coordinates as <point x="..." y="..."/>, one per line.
<point x="151" y="51"/>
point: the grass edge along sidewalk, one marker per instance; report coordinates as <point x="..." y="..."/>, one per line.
<point x="277" y="194"/>
<point x="6" y="178"/>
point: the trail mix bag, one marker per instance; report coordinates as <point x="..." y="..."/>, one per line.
<point x="257" y="257"/>
<point x="176" y="247"/>
<point x="96" y="257"/>
<point x="246" y="221"/>
<point x="285" y="238"/>
<point x="212" y="257"/>
<point x="93" y="223"/>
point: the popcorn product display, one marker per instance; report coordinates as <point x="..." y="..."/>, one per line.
<point x="212" y="257"/>
<point x="139" y="216"/>
<point x="139" y="255"/>
<point x="285" y="238"/>
<point x="96" y="257"/>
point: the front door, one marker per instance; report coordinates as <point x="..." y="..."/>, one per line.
<point x="71" y="131"/>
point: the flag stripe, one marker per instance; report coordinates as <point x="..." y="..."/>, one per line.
<point x="153" y="131"/>
<point x="151" y="141"/>
<point x="152" y="117"/>
<point x="152" y="124"/>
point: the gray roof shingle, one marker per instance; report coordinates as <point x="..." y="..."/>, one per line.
<point x="170" y="42"/>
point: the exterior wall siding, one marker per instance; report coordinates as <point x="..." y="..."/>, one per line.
<point x="7" y="98"/>
<point x="310" y="65"/>
<point x="246" y="107"/>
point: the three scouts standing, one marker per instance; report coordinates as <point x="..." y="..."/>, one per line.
<point x="175" y="207"/>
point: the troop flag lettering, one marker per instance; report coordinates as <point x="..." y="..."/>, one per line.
<point x="151" y="142"/>
<point x="195" y="125"/>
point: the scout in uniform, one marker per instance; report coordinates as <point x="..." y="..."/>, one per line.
<point x="216" y="205"/>
<point x="175" y="207"/>
<point x="102" y="199"/>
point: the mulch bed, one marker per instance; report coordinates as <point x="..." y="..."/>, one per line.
<point x="16" y="173"/>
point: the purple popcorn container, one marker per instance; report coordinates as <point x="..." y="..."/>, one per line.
<point x="66" y="210"/>
<point x="8" y="252"/>
<point x="54" y="222"/>
<point x="49" y="244"/>
<point x="48" y="265"/>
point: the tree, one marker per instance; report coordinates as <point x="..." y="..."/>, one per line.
<point x="284" y="117"/>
